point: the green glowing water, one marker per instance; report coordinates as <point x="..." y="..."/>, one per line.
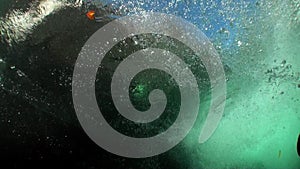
<point x="261" y="121"/>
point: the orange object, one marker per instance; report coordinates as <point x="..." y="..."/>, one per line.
<point x="91" y="15"/>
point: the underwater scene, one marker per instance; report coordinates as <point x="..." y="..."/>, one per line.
<point x="150" y="84"/>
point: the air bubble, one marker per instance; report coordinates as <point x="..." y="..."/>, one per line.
<point x="239" y="43"/>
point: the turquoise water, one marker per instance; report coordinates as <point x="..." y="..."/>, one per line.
<point x="260" y="42"/>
